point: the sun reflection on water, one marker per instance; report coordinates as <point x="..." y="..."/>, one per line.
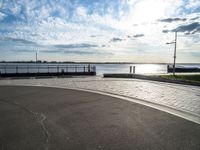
<point x="149" y="69"/>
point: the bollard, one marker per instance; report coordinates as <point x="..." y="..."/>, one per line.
<point x="130" y="69"/>
<point x="167" y="68"/>
<point x="133" y="69"/>
<point x="89" y="68"/>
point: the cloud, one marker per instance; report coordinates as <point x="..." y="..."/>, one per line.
<point x="2" y="16"/>
<point x="169" y="20"/>
<point x="17" y="40"/>
<point x="78" y="26"/>
<point x="89" y="52"/>
<point x="23" y="50"/>
<point x="60" y="51"/>
<point x="115" y="39"/>
<point x="195" y="18"/>
<point x="68" y="51"/>
<point x="82" y="45"/>
<point x="138" y="35"/>
<point x="188" y="29"/>
<point x="135" y="36"/>
<point x="166" y="31"/>
<point x="193" y="5"/>
<point x="81" y="11"/>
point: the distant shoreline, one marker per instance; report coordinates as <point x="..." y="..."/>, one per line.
<point x="53" y="62"/>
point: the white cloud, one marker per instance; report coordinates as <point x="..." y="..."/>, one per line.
<point x="81" y="11"/>
<point x="193" y="5"/>
<point x="55" y="23"/>
<point x="2" y="16"/>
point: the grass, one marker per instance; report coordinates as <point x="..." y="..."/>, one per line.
<point x="192" y="77"/>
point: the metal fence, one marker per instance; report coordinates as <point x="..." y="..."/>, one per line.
<point x="17" y="69"/>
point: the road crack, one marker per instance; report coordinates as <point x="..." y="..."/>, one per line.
<point x="39" y="117"/>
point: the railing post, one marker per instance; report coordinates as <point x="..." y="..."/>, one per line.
<point x="62" y="70"/>
<point x="66" y="69"/>
<point x="75" y="68"/>
<point x="84" y="68"/>
<point x="17" y="69"/>
<point x="5" y="70"/>
<point x="167" y="68"/>
<point x="47" y="69"/>
<point x="89" y="68"/>
<point x="38" y="69"/>
<point x="57" y="69"/>
<point x="27" y="69"/>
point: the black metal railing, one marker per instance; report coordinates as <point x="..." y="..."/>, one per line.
<point x="39" y="69"/>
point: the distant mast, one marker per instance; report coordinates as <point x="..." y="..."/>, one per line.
<point x="36" y="56"/>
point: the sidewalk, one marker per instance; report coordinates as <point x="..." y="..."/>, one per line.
<point x="53" y="118"/>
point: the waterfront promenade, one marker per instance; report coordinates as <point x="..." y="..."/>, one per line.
<point x="46" y="118"/>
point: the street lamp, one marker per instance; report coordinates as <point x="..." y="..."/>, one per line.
<point x="174" y="42"/>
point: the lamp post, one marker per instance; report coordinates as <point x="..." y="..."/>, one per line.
<point x="174" y="42"/>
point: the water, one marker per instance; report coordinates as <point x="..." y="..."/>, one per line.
<point x="103" y="68"/>
<point x="125" y="68"/>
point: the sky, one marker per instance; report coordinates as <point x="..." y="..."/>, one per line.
<point x="100" y="30"/>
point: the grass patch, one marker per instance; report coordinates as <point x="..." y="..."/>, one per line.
<point x="193" y="77"/>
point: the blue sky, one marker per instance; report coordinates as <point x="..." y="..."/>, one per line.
<point x="100" y="30"/>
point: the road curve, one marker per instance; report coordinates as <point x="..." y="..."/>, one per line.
<point x="53" y="118"/>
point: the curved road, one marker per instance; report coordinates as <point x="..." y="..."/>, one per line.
<point x="51" y="118"/>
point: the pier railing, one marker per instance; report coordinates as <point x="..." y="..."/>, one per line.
<point x="39" y="69"/>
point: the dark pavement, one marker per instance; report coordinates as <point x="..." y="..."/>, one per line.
<point x="40" y="118"/>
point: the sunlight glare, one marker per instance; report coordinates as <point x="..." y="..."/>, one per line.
<point x="148" y="11"/>
<point x="147" y="68"/>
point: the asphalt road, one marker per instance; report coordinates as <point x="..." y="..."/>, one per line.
<point x="41" y="118"/>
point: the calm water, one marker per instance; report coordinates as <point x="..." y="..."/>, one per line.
<point x="104" y="68"/>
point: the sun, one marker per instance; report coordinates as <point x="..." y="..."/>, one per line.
<point x="147" y="11"/>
